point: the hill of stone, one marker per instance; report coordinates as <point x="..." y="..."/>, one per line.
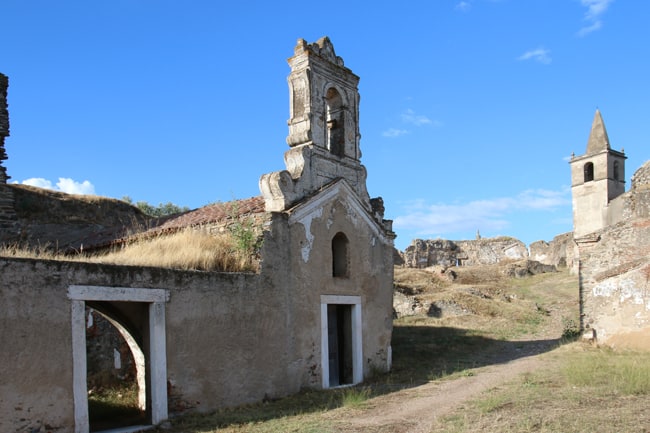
<point x="60" y="221"/>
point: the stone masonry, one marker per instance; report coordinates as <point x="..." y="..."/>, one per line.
<point x="441" y="252"/>
<point x="7" y="213"/>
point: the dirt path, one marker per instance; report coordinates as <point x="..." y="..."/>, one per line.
<point x="415" y="410"/>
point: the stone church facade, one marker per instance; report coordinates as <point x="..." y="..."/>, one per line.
<point x="318" y="314"/>
<point x="612" y="238"/>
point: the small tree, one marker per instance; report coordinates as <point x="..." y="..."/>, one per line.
<point x="161" y="210"/>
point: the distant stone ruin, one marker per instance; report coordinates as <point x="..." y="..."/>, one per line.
<point x="558" y="252"/>
<point x="442" y="252"/>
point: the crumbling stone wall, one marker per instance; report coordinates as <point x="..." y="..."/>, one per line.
<point x="558" y="252"/>
<point x="221" y="331"/>
<point x="615" y="271"/>
<point x="7" y="214"/>
<point x="441" y="252"/>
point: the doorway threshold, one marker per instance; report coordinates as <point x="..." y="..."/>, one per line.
<point x="129" y="429"/>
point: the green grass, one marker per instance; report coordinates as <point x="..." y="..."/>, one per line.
<point x="114" y="407"/>
<point x="582" y="389"/>
<point x="355" y="397"/>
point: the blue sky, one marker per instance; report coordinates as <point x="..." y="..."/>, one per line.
<point x="469" y="109"/>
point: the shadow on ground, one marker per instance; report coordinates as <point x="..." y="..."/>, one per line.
<point x="420" y="354"/>
<point x="425" y="353"/>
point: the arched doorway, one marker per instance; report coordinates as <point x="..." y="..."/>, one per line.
<point x="138" y="313"/>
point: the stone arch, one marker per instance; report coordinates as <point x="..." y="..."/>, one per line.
<point x="133" y="338"/>
<point x="335" y="118"/>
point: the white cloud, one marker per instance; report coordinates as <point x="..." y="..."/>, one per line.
<point x="463" y="6"/>
<point x="489" y="215"/>
<point x="66" y="185"/>
<point x="394" y="132"/>
<point x="540" y="55"/>
<point x="409" y="116"/>
<point x="595" y="8"/>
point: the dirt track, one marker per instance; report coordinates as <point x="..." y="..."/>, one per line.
<point x="415" y="410"/>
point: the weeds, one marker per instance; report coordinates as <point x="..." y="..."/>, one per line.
<point x="355" y="397"/>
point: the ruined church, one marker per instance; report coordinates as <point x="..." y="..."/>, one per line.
<point x="612" y="243"/>
<point x="317" y="314"/>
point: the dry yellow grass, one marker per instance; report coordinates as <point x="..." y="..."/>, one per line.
<point x="188" y="249"/>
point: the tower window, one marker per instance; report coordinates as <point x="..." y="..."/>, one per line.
<point x="335" y="139"/>
<point x="340" y="255"/>
<point x="616" y="171"/>
<point x="589" y="172"/>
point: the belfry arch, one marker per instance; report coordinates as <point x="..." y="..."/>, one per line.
<point x="335" y="131"/>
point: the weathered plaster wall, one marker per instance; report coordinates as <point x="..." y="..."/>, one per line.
<point x="226" y="337"/>
<point x="36" y="355"/>
<point x="311" y="231"/>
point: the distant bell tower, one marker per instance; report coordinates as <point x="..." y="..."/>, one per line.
<point x="597" y="178"/>
<point x="323" y="128"/>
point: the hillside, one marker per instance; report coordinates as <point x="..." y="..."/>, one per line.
<point x="55" y="220"/>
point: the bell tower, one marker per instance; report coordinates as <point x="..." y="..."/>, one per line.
<point x="323" y="128"/>
<point x="597" y="178"/>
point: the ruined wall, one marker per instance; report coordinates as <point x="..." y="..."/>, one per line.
<point x="440" y="252"/>
<point x="615" y="272"/>
<point x="7" y="214"/>
<point x="222" y="330"/>
<point x="558" y="252"/>
<point x="231" y="338"/>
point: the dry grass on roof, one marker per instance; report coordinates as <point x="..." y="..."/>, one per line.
<point x="186" y="249"/>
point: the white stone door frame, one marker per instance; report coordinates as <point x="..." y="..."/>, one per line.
<point x="156" y="299"/>
<point x="357" y="336"/>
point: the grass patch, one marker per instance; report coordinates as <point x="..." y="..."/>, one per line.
<point x="355" y="397"/>
<point x="114" y="407"/>
<point x="581" y="390"/>
<point x="621" y="373"/>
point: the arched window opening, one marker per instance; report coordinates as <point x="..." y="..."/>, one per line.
<point x="340" y="259"/>
<point x="616" y="171"/>
<point x="335" y="132"/>
<point x="589" y="172"/>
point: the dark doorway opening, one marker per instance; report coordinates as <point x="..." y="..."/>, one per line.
<point x="339" y="335"/>
<point x="115" y="369"/>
